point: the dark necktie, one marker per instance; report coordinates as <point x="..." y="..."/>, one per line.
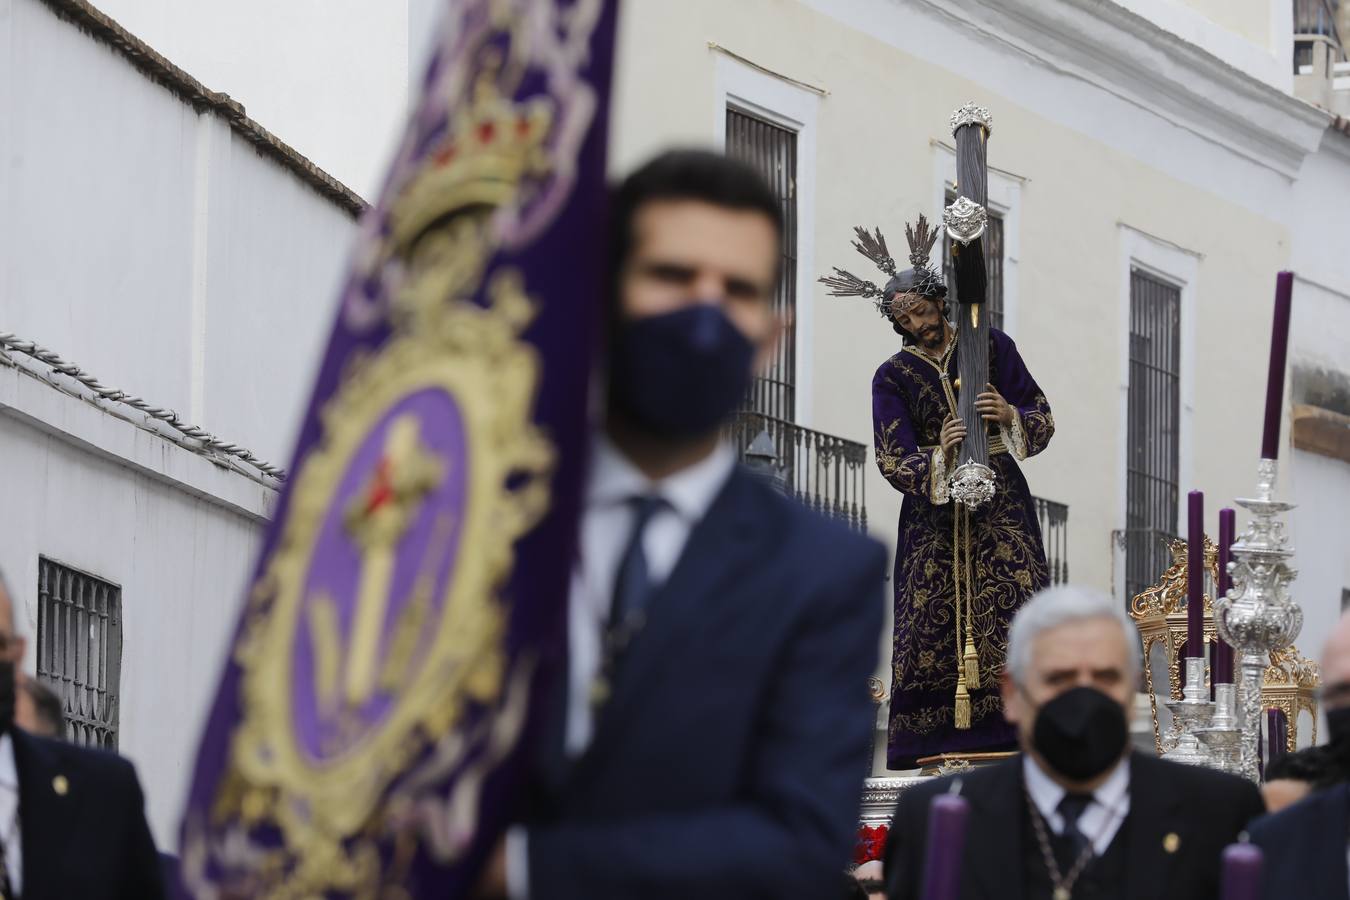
<point x="632" y="580"/>
<point x="1071" y="841"/>
<point x="632" y="590"/>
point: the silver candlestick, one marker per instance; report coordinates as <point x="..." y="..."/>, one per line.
<point x="1190" y="714"/>
<point x="1258" y="615"/>
<point x="1223" y="737"/>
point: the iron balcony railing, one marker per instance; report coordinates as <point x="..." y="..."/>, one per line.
<point x="823" y="471"/>
<point x="1316" y="17"/>
<point x="1054" y="519"/>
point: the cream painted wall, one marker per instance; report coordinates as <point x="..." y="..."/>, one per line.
<point x="875" y="160"/>
<point x="1320" y="339"/>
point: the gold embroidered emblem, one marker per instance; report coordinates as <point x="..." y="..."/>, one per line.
<point x="376" y="625"/>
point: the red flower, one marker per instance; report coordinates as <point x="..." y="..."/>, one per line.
<point x="871" y="843"/>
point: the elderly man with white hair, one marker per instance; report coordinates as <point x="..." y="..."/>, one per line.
<point x="1076" y="814"/>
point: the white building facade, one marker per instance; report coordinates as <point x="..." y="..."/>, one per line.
<point x="158" y="239"/>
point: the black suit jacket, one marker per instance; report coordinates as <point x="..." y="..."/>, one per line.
<point x="730" y="759"/>
<point x="1305" y="847"/>
<point x="82" y="821"/>
<point x="1205" y="809"/>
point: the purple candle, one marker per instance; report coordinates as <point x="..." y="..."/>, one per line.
<point x="1195" y="574"/>
<point x="1279" y="352"/>
<point x="947" y="815"/>
<point x="1222" y="664"/>
<point x="1242" y="865"/>
<point x="1277" y="734"/>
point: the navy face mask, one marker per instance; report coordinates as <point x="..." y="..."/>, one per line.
<point x="679" y="374"/>
<point x="1338" y="726"/>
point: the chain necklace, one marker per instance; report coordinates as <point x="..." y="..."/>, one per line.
<point x="1063" y="884"/>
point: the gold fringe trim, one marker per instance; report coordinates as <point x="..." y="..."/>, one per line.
<point x="972" y="661"/>
<point x="962" y="704"/>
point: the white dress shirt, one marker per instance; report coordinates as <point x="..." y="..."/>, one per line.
<point x="9" y="814"/>
<point x="607" y="521"/>
<point x="1103" y="816"/>
<point x="606" y="525"/>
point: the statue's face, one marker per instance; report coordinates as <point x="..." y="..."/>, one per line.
<point x="921" y="316"/>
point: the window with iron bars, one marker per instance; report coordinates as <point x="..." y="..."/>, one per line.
<point x="993" y="266"/>
<point x="772" y="150"/>
<point x="1153" y="430"/>
<point x="79" y="650"/>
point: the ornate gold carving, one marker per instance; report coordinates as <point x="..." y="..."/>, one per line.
<point x="1290" y="685"/>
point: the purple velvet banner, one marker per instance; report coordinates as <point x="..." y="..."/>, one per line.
<point x="409" y="601"/>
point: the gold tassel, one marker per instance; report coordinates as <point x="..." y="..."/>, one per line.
<point x="972" y="661"/>
<point x="962" y="704"/>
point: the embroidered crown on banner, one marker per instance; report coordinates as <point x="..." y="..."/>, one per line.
<point x="491" y="145"/>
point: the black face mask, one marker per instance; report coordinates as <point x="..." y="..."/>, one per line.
<point x="680" y="374"/>
<point x="1081" y="733"/>
<point x="1338" y="727"/>
<point x="6" y="696"/>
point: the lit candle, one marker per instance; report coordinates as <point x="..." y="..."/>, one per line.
<point x="947" y="815"/>
<point x="1222" y="663"/>
<point x="1242" y="865"/>
<point x="1279" y="351"/>
<point x="1195" y="574"/>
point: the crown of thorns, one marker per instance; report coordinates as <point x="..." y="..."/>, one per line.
<point x="922" y="281"/>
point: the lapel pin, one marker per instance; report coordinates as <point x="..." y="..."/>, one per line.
<point x="599" y="692"/>
<point x="60" y="785"/>
<point x="1171" y="843"/>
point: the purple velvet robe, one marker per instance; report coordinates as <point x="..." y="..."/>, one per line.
<point x="911" y="396"/>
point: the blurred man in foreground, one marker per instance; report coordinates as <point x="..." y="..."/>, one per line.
<point x="1077" y="814"/>
<point x="713" y="739"/>
<point x="1305" y="844"/>
<point x="72" y="820"/>
<point x="1295" y="776"/>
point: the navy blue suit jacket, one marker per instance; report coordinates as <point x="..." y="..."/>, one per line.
<point x="82" y="817"/>
<point x="729" y="761"/>
<point x="1305" y="847"/>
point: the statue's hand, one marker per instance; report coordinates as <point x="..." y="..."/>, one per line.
<point x="953" y="431"/>
<point x="993" y="408"/>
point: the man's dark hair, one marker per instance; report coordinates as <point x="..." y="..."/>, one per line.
<point x="1319" y="766"/>
<point x="687" y="175"/>
<point x="47" y="706"/>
